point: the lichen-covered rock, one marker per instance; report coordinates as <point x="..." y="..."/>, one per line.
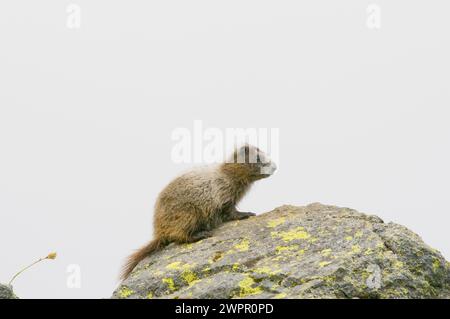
<point x="315" y="251"/>
<point x="6" y="292"/>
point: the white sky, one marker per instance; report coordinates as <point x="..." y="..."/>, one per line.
<point x="86" y="118"/>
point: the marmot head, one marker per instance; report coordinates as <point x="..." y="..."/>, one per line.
<point x="250" y="163"/>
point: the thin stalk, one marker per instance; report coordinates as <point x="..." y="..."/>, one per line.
<point x="49" y="256"/>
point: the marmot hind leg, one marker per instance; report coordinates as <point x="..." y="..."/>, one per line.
<point x="187" y="228"/>
<point x="200" y="235"/>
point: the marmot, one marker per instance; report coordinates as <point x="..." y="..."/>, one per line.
<point x="198" y="201"/>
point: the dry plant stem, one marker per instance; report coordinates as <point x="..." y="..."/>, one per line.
<point x="21" y="271"/>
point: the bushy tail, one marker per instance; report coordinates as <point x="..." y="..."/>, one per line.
<point x="139" y="255"/>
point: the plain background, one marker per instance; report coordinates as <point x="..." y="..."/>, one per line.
<point x="86" y="118"/>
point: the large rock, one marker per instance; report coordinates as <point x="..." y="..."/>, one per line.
<point x="315" y="251"/>
<point x="6" y="292"/>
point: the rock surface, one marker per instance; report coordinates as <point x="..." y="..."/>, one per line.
<point x="315" y="251"/>
<point x="6" y="292"/>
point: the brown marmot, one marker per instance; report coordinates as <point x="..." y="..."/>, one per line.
<point x="198" y="201"/>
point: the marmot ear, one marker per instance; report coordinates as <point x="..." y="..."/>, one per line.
<point x="240" y="154"/>
<point x="247" y="154"/>
<point x="245" y="149"/>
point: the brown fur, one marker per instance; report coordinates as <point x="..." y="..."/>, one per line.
<point x="196" y="202"/>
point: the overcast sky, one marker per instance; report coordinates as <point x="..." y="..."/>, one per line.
<point x="88" y="107"/>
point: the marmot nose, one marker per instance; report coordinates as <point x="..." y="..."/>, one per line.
<point x="269" y="169"/>
<point x="274" y="166"/>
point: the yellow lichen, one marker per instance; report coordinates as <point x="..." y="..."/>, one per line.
<point x="246" y="288"/>
<point x="349" y="238"/>
<point x="358" y="234"/>
<point x="287" y="236"/>
<point x="263" y="270"/>
<point x="324" y="263"/>
<point x="277" y="258"/>
<point x="169" y="282"/>
<point x="235" y="267"/>
<point x="329" y="279"/>
<point x="280" y="295"/>
<point x="280" y="249"/>
<point x="276" y="222"/>
<point x="125" y="292"/>
<point x="398" y="264"/>
<point x="150" y="295"/>
<point x="326" y="252"/>
<point x="266" y="270"/>
<point x="190" y="277"/>
<point x="368" y="252"/>
<point x="187" y="274"/>
<point x="356" y="249"/>
<point x="174" y="266"/>
<point x="179" y="266"/>
<point x="436" y="264"/>
<point x="243" y="245"/>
